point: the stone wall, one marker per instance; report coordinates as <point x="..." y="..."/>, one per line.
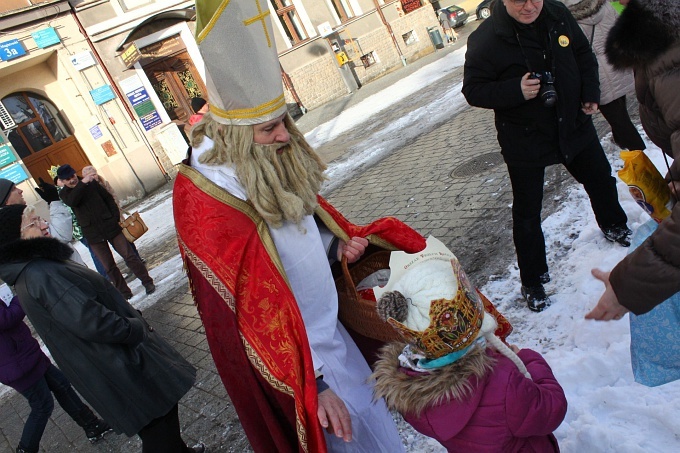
<point x="318" y="82"/>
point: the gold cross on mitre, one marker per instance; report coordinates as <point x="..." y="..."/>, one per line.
<point x="260" y="17"/>
<point x="248" y="90"/>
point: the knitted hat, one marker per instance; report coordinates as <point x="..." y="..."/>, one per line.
<point x="65" y="172"/>
<point x="10" y="223"/>
<point x="243" y="73"/>
<point x="197" y="104"/>
<point x="6" y="187"/>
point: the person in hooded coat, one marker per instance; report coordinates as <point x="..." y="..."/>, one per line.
<point x="646" y="37"/>
<point x="124" y="369"/>
<point x="596" y="18"/>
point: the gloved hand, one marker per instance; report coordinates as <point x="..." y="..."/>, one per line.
<point x="47" y="192"/>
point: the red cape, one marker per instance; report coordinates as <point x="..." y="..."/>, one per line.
<point x="252" y="322"/>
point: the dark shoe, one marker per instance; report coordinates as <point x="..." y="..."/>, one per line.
<point x="618" y="234"/>
<point x="150" y="288"/>
<point x="127" y="296"/>
<point x="536" y="298"/>
<point x="21" y="450"/>
<point x="545" y="278"/>
<point x="96" y="430"/>
<point x="198" y="448"/>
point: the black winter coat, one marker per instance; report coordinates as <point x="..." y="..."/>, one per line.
<point x="95" y="209"/>
<point x="127" y="372"/>
<point x="530" y="134"/>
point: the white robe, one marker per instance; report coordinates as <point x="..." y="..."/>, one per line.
<point x="334" y="353"/>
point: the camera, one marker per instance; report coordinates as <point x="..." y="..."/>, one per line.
<point x="547" y="91"/>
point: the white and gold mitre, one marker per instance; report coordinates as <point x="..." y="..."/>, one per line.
<point x="243" y="73"/>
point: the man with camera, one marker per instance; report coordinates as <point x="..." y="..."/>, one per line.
<point x="531" y="63"/>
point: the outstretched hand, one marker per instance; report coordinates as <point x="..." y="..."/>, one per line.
<point x="352" y="249"/>
<point x="608" y="307"/>
<point x="333" y="415"/>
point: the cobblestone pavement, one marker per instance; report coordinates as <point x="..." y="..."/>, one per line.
<point x="448" y="182"/>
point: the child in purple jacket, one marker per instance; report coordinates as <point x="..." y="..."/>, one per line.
<point x="453" y="379"/>
<point x="25" y="368"/>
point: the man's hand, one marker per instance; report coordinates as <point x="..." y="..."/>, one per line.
<point x="608" y="307"/>
<point x="590" y="108"/>
<point x="530" y="87"/>
<point x="352" y="249"/>
<point x="87" y="179"/>
<point x="333" y="415"/>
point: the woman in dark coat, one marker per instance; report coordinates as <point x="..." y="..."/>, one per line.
<point x="25" y="368"/>
<point x="129" y="374"/>
<point x="520" y="40"/>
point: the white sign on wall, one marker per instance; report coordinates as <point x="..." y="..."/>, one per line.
<point x="83" y="60"/>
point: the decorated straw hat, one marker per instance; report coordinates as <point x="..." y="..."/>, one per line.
<point x="443" y="312"/>
<point x="243" y="75"/>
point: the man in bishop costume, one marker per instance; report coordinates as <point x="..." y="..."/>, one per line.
<point x="256" y="238"/>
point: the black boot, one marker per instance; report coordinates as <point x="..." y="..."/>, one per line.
<point x="21" y="450"/>
<point x="95" y="430"/>
<point x="536" y="298"/>
<point x="619" y="234"/>
<point x="94" y="427"/>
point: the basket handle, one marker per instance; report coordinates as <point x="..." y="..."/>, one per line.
<point x="348" y="279"/>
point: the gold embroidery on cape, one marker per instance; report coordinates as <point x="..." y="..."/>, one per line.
<point x="334" y="228"/>
<point x="225" y="197"/>
<point x="221" y="195"/>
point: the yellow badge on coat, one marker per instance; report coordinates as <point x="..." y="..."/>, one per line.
<point x="563" y="41"/>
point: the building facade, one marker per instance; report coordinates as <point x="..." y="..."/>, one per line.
<point x="109" y="83"/>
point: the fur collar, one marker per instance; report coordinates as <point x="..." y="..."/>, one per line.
<point x="645" y="30"/>
<point x="15" y="255"/>
<point x="582" y="9"/>
<point x="413" y="393"/>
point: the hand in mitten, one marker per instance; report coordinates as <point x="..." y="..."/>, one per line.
<point x="47" y="191"/>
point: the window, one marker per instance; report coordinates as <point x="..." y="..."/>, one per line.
<point x="38" y="123"/>
<point x="369" y="59"/>
<point x="127" y="5"/>
<point x="410" y="37"/>
<point x="290" y="20"/>
<point x="343" y="9"/>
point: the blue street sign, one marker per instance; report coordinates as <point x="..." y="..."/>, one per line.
<point x="11" y="49"/>
<point x="45" y="37"/>
<point x="102" y="94"/>
<point x="6" y="155"/>
<point x="14" y="173"/>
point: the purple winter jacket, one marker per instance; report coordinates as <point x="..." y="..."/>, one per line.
<point x="505" y="413"/>
<point x="22" y="362"/>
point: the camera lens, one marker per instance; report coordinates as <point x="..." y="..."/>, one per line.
<point x="548" y="95"/>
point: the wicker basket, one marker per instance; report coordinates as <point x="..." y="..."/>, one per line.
<point x="355" y="312"/>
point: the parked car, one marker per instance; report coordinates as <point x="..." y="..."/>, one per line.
<point x="484" y="10"/>
<point x="457" y="15"/>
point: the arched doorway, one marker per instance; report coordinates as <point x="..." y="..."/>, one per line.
<point x="175" y="80"/>
<point x="41" y="137"/>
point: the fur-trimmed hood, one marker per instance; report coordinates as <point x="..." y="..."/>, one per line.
<point x="16" y="255"/>
<point x="645" y="30"/>
<point x="411" y="392"/>
<point x="582" y="9"/>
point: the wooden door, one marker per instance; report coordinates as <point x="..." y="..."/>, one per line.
<point x="66" y="151"/>
<point x="176" y="81"/>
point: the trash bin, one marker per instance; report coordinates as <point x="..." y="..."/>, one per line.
<point x="435" y="37"/>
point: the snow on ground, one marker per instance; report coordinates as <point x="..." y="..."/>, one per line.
<point x="608" y="411"/>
